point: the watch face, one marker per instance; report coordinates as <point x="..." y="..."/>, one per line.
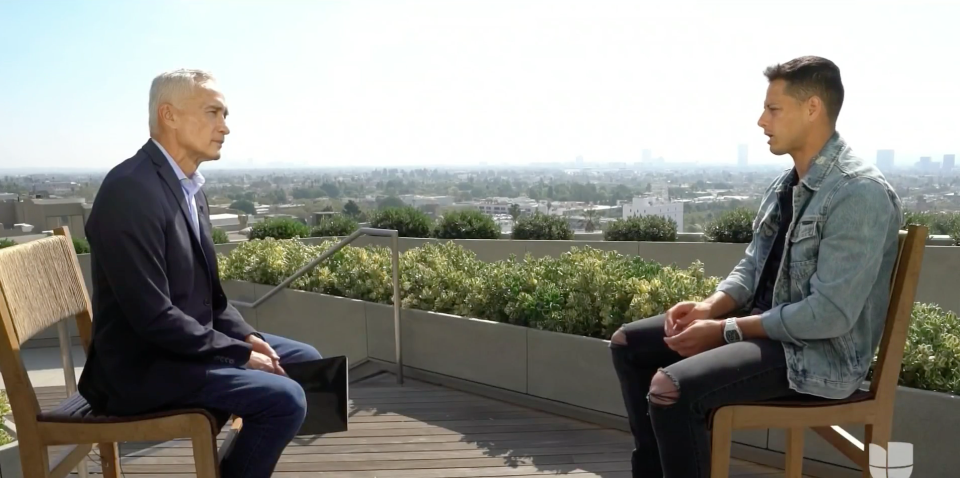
<point x="731" y="335"/>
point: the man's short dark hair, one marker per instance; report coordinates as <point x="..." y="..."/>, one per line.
<point x="808" y="76"/>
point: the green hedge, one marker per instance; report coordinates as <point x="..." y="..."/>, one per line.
<point x="219" y="236"/>
<point x="4" y="411"/>
<point x="466" y="224"/>
<point x="80" y="246"/>
<point x="279" y="228"/>
<point x="408" y="221"/>
<point x="735" y="225"/>
<point x="336" y="226"/>
<point x="939" y="223"/>
<point x="542" y="227"/>
<point x="585" y="291"/>
<point x="651" y="228"/>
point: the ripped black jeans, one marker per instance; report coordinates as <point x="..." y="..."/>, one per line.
<point x="673" y="441"/>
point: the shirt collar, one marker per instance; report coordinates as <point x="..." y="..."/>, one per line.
<point x="192" y="183"/>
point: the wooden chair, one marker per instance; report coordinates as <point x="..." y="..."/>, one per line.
<point x="41" y="285"/>
<point x="873" y="407"/>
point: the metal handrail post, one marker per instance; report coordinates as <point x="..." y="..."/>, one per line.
<point x="396" y="306"/>
<point x="322" y="257"/>
<point x="303" y="270"/>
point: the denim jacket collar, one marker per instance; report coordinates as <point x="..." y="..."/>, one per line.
<point x="824" y="161"/>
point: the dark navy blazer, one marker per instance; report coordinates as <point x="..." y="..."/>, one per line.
<point x="160" y="316"/>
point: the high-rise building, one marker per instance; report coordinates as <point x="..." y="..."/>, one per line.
<point x="948" y="162"/>
<point x="742" y="156"/>
<point x="885" y="159"/>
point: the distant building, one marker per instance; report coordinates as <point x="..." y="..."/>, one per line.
<point x="231" y="222"/>
<point x="927" y="165"/>
<point x="501" y="206"/>
<point x="742" y="156"/>
<point x="44" y="214"/>
<point x="646" y="206"/>
<point x="948" y="162"/>
<point x="417" y="200"/>
<point x="885" y="160"/>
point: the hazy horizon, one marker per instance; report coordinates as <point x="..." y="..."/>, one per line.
<point x="415" y="83"/>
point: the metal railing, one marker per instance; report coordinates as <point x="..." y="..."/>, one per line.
<point x="363" y="231"/>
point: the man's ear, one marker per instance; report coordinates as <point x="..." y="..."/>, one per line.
<point x="813" y="108"/>
<point x="167" y="115"/>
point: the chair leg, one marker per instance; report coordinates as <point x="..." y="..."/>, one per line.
<point x="878" y="433"/>
<point x="109" y="460"/>
<point x="722" y="438"/>
<point x="34" y="461"/>
<point x="794" y="463"/>
<point x="205" y="451"/>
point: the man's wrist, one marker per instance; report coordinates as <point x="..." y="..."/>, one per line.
<point x="751" y="327"/>
<point x="718" y="304"/>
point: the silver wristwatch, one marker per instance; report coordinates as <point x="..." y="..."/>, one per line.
<point x="731" y="332"/>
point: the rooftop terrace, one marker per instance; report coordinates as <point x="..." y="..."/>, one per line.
<point x="421" y="430"/>
<point x="482" y="396"/>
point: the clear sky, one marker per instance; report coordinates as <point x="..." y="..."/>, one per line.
<point x="396" y="82"/>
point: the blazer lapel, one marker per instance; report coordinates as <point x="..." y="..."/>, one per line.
<point x="170" y="178"/>
<point x="206" y="241"/>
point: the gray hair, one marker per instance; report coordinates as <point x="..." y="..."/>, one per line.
<point x="170" y="87"/>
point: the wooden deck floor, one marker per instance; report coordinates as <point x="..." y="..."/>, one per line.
<point x="425" y="431"/>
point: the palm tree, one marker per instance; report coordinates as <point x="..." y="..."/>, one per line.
<point x="514" y="211"/>
<point x="592" y="216"/>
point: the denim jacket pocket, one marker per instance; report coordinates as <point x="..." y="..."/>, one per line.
<point x="805" y="241"/>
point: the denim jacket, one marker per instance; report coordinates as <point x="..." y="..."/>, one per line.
<point x="833" y="287"/>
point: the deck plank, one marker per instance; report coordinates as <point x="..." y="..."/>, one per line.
<point x="424" y="431"/>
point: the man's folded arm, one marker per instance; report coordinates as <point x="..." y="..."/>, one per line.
<point x="227" y="319"/>
<point x="851" y="250"/>
<point x="130" y="243"/>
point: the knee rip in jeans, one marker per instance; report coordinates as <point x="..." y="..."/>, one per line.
<point x="619" y="338"/>
<point x="664" y="389"/>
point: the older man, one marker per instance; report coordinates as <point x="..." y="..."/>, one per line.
<point x="165" y="335"/>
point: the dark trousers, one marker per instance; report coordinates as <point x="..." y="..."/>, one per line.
<point x="673" y="441"/>
<point x="272" y="408"/>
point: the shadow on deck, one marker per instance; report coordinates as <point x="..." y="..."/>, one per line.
<point x="425" y="431"/>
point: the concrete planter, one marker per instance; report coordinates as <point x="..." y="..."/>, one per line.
<point x="10" y="460"/>
<point x="334" y="325"/>
<point x="480" y="351"/>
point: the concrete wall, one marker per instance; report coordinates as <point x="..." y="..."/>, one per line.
<point x="334" y="327"/>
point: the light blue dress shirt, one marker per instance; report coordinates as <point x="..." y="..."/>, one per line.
<point x="190" y="186"/>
